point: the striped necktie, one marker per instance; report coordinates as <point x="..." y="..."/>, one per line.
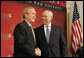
<point x="47" y="33"/>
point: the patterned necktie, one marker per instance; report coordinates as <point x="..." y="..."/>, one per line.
<point x="33" y="35"/>
<point x="47" y="34"/>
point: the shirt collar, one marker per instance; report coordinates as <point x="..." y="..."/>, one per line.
<point x="49" y="25"/>
<point x="28" y="23"/>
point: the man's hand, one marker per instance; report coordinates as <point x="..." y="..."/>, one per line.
<point x="37" y="52"/>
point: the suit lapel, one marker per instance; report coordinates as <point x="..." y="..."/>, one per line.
<point x="53" y="31"/>
<point x="43" y="34"/>
<point x="26" y="25"/>
<point x="28" y="28"/>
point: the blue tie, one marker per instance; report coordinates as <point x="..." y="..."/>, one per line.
<point x="47" y="34"/>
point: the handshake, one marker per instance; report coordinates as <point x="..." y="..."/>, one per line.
<point x="37" y="52"/>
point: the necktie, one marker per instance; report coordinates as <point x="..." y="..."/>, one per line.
<point x="33" y="35"/>
<point x="47" y="34"/>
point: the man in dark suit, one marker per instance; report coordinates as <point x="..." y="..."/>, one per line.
<point x="24" y="39"/>
<point x="50" y="38"/>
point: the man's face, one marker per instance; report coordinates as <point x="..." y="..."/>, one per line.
<point x="46" y="17"/>
<point x="30" y="15"/>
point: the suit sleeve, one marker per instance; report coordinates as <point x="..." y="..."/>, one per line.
<point x="20" y="38"/>
<point x="63" y="46"/>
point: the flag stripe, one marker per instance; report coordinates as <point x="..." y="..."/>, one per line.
<point x="79" y="29"/>
<point x="80" y="24"/>
<point x="77" y="33"/>
<point x="74" y="41"/>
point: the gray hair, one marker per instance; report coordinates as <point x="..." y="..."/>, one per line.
<point x="49" y="12"/>
<point x="26" y="10"/>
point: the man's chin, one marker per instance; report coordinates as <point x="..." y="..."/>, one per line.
<point x="45" y="23"/>
<point x="32" y="21"/>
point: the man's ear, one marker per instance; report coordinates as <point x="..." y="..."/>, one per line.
<point x="25" y="14"/>
<point x="51" y="17"/>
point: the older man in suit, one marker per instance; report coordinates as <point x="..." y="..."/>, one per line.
<point x="50" y="38"/>
<point x="24" y="37"/>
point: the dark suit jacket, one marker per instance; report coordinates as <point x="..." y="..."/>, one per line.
<point x="56" y="46"/>
<point x="80" y="52"/>
<point x="24" y="45"/>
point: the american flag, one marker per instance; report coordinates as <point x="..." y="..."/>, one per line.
<point x="76" y="30"/>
